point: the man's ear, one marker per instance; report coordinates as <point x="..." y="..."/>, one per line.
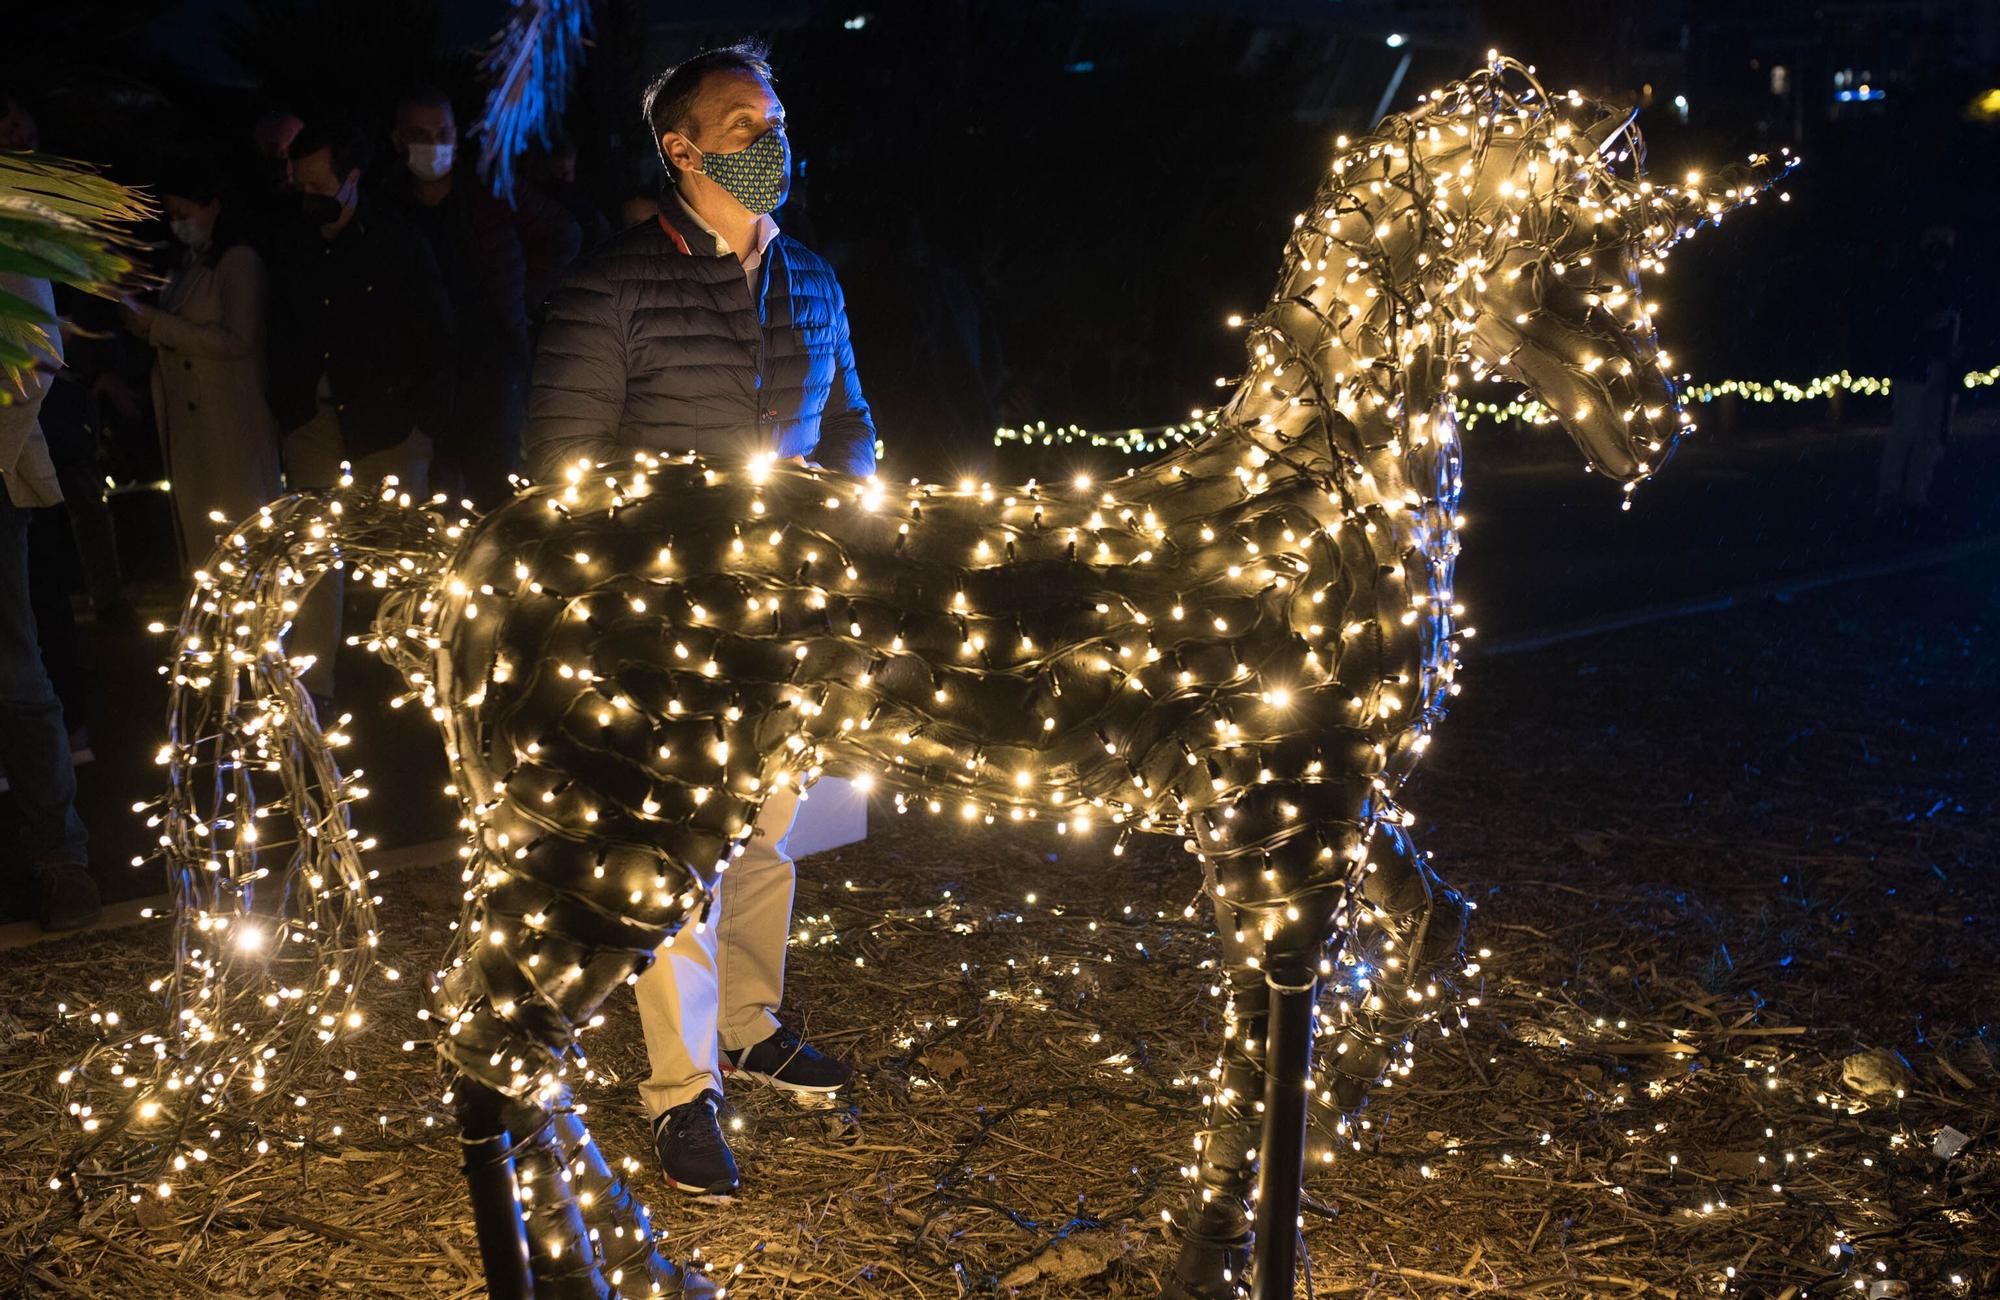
<point x="682" y="154"/>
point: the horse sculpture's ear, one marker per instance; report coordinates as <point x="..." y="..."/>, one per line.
<point x="1603" y="135"/>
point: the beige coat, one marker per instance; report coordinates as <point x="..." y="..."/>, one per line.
<point x="216" y="431"/>
<point x="29" y="475"/>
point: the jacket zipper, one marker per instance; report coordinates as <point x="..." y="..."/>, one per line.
<point x="763" y="288"/>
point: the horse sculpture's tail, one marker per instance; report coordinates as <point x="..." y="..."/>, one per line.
<point x="274" y="917"/>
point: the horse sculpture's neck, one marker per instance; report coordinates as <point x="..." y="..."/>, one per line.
<point x="1346" y="412"/>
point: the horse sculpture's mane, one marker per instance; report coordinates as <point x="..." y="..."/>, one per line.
<point x="1246" y="644"/>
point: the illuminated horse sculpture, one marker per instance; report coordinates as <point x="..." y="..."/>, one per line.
<point x="1246" y="644"/>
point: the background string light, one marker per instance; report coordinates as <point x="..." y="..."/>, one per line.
<point x="1469" y="412"/>
<point x="1246" y="645"/>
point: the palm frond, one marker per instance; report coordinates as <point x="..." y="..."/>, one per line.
<point x="75" y="189"/>
<point x="65" y="222"/>
<point x="531" y="64"/>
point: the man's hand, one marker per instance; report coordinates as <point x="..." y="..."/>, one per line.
<point x="137" y="315"/>
<point x="110" y="388"/>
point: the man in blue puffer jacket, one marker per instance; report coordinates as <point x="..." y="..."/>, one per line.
<point x="706" y="329"/>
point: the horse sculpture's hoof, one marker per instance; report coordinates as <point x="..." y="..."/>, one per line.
<point x="1207" y="1273"/>
<point x="1209" y="1270"/>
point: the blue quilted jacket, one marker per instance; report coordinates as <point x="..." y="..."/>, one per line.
<point x="653" y="341"/>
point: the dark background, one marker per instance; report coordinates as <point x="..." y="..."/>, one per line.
<point x="1105" y="180"/>
<point x="1097" y="185"/>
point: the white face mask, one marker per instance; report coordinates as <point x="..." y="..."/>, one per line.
<point x="191" y="231"/>
<point x="429" y="162"/>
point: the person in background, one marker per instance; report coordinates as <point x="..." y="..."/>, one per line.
<point x="88" y="396"/>
<point x="638" y="206"/>
<point x="707" y="329"/>
<point x="34" y="749"/>
<point x="271" y="137"/>
<point x="1924" y="320"/>
<point x="493" y="259"/>
<point x="360" y="355"/>
<point x="77" y="538"/>
<point x="552" y="169"/>
<point x="265" y="197"/>
<point x="17" y="125"/>
<point x="217" y="438"/>
<point x="72" y="422"/>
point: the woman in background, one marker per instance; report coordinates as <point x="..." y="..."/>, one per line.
<point x="217" y="436"/>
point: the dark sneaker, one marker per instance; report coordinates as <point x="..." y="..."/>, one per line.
<point x="689" y="1142"/>
<point x="67" y="897"/>
<point x="784" y="1060"/>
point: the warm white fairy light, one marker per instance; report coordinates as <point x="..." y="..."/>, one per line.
<point x="1470" y="413"/>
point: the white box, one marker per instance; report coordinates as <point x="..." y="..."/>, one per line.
<point x="834" y="812"/>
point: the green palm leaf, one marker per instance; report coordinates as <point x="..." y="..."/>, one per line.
<point x="64" y="222"/>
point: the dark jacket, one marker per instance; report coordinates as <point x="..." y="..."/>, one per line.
<point x="367" y="310"/>
<point x="1923" y="313"/>
<point x="657" y="342"/>
<point x="498" y="259"/>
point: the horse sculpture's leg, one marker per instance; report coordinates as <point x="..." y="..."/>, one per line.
<point x="588" y="1236"/>
<point x="1215" y="1228"/>
<point x="1407" y="949"/>
<point x="560" y="1255"/>
<point x="1281" y="1155"/>
<point x="1296" y="868"/>
<point x="565" y="941"/>
<point x="493" y="1177"/>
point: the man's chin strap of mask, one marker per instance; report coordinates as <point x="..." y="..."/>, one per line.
<point x="758" y="176"/>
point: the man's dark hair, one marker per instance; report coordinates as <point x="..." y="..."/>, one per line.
<point x="344" y="140"/>
<point x="669" y="101"/>
<point x="423" y="95"/>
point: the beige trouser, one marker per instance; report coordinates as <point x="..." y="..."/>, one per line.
<point x="313" y="453"/>
<point x="719" y="983"/>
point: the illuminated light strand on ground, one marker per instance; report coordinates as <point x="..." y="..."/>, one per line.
<point x="1154" y="439"/>
<point x="1018" y="984"/>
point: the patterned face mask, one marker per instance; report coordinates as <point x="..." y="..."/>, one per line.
<point x="758" y="176"/>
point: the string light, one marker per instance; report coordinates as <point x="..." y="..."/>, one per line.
<point x="1246" y="645"/>
<point x="1471" y="412"/>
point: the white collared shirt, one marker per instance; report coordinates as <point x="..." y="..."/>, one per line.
<point x="764" y="232"/>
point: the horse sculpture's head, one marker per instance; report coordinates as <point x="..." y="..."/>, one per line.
<point x="1530" y="224"/>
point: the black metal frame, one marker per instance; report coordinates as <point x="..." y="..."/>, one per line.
<point x="496" y="1206"/>
<point x="1281" y="1156"/>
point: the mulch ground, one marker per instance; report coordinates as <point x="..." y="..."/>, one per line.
<point x="1736" y="877"/>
